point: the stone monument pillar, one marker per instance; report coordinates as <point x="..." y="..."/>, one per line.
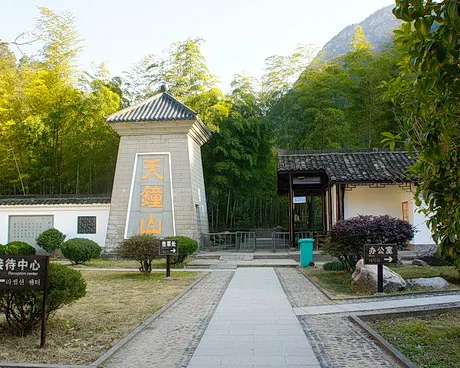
<point x="158" y="187"/>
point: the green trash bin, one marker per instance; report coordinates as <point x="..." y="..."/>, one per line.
<point x="306" y="251"/>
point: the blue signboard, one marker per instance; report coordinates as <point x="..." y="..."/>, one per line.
<point x="300" y="199"/>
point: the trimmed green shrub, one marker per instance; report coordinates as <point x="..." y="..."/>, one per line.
<point x="50" y="240"/>
<point x="335" y="266"/>
<point x="17" y="247"/>
<point x="187" y="246"/>
<point x="22" y="309"/>
<point x="142" y="248"/>
<point x="80" y="250"/>
<point x="347" y="237"/>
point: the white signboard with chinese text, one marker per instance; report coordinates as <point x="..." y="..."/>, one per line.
<point x="22" y="272"/>
<point x="380" y="253"/>
<point x="151" y="209"/>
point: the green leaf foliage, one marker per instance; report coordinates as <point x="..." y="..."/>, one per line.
<point x="53" y="135"/>
<point x="50" y="240"/>
<point x="428" y="90"/>
<point x="141" y="248"/>
<point x="16" y="248"/>
<point x="335" y="266"/>
<point x="337" y="104"/>
<point x="80" y="250"/>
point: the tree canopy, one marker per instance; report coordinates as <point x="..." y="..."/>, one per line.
<point x="428" y="91"/>
<point x="53" y="135"/>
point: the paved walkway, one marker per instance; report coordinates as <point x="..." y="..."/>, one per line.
<point x="262" y="317"/>
<point x="377" y="305"/>
<point x="254" y="326"/>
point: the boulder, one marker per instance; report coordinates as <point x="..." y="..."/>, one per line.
<point x="364" y="279"/>
<point x="419" y="262"/>
<point x="430" y="282"/>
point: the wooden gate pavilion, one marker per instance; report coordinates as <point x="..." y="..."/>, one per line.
<point x="349" y="182"/>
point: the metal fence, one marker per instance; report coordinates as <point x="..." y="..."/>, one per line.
<point x="281" y="239"/>
<point x="240" y="241"/>
<point x="246" y="241"/>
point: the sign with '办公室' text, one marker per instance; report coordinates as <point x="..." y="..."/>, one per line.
<point x="22" y="272"/>
<point x="151" y="208"/>
<point x="380" y="253"/>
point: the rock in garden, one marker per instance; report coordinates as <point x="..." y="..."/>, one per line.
<point x="364" y="279"/>
<point x="430" y="282"/>
<point x="419" y="262"/>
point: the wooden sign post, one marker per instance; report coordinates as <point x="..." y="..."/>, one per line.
<point x="380" y="254"/>
<point x="23" y="273"/>
<point x="166" y="248"/>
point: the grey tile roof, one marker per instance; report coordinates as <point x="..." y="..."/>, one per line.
<point x="42" y="200"/>
<point x="354" y="166"/>
<point x="159" y="107"/>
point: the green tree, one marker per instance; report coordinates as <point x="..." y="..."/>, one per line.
<point x="239" y="162"/>
<point x="53" y="134"/>
<point x="428" y="89"/>
<point x="338" y="104"/>
<point x="281" y="71"/>
<point x="182" y="68"/>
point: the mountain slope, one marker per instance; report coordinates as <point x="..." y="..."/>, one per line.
<point x="377" y="27"/>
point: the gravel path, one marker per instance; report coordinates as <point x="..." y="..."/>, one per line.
<point x="172" y="338"/>
<point x="336" y="341"/>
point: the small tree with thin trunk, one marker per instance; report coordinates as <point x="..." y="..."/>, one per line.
<point x="142" y="248"/>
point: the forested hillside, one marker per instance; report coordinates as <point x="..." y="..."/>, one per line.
<point x="378" y="27"/>
<point x="54" y="139"/>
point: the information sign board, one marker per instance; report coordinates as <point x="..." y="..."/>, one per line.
<point x="22" y="272"/>
<point x="380" y="253"/>
<point x="168" y="247"/>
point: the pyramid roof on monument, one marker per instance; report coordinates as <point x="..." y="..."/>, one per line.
<point x="160" y="107"/>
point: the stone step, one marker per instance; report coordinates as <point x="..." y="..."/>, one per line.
<point x="237" y="257"/>
<point x="272" y="256"/>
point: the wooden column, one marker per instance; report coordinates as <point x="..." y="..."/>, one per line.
<point x="291" y="213"/>
<point x="340" y="205"/>
<point x="323" y="211"/>
<point x="329" y="207"/>
<point x="337" y="203"/>
<point x="342" y="201"/>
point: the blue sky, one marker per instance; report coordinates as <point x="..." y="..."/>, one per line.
<point x="239" y="34"/>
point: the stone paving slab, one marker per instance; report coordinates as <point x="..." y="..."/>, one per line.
<point x="377" y="305"/>
<point x="336" y="341"/>
<point x="169" y="342"/>
<point x="232" y="264"/>
<point x="254" y="326"/>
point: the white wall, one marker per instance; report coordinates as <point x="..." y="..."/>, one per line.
<point x="364" y="200"/>
<point x="65" y="219"/>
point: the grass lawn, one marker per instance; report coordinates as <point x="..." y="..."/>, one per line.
<point x="429" y="341"/>
<point x="339" y="282"/>
<point x="114" y="305"/>
<point x="125" y="263"/>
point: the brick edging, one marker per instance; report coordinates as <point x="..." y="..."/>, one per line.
<point x="361" y="320"/>
<point x="400" y="357"/>
<point x="329" y="295"/>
